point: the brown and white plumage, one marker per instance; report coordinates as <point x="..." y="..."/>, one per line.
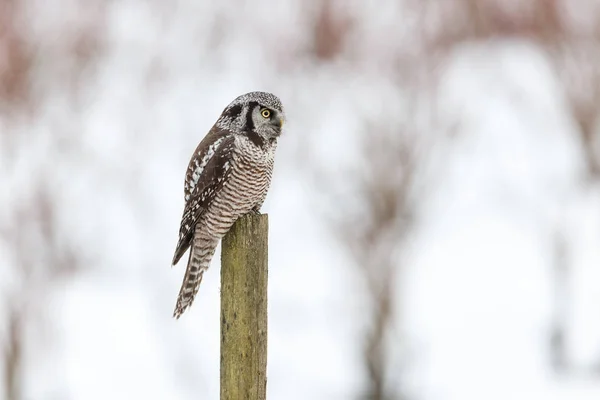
<point x="228" y="176"/>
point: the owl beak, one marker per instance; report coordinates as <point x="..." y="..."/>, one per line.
<point x="278" y="123"/>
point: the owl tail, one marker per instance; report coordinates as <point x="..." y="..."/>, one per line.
<point x="201" y="253"/>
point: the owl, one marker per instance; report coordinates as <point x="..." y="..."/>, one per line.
<point x="228" y="176"/>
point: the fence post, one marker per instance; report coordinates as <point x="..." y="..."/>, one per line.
<point x="244" y="257"/>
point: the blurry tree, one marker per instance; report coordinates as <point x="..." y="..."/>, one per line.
<point x="330" y="30"/>
<point x="370" y="205"/>
<point x="15" y="65"/>
<point x="374" y="225"/>
<point x="15" y="60"/>
<point x="569" y="33"/>
<point x="41" y="258"/>
<point x="34" y="71"/>
<point x="576" y="59"/>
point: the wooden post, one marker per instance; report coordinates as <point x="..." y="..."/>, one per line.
<point x="244" y="309"/>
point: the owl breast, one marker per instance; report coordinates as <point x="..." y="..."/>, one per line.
<point x="250" y="169"/>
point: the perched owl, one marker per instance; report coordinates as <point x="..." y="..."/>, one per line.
<point x="228" y="176"/>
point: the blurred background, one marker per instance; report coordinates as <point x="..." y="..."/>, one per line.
<point x="434" y="218"/>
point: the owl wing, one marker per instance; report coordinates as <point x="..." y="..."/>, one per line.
<point x="207" y="172"/>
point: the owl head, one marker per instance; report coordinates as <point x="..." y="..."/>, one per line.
<point x="258" y="115"/>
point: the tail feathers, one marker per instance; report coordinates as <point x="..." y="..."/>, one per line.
<point x="198" y="262"/>
<point x="187" y="295"/>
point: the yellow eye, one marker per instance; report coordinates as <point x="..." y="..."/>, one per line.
<point x="265" y="113"/>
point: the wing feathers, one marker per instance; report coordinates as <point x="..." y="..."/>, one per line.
<point x="206" y="174"/>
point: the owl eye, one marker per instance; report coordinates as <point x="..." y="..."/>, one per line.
<point x="265" y="113"/>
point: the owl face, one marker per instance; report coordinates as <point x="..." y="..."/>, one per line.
<point x="258" y="115"/>
<point x="264" y="120"/>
